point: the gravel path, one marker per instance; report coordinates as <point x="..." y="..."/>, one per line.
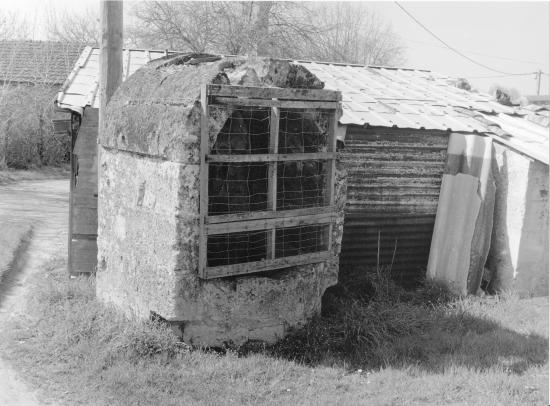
<point x="45" y="204"/>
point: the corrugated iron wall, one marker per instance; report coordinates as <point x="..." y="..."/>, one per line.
<point x="394" y="176"/>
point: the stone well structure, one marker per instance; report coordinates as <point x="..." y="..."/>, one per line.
<point x="148" y="210"/>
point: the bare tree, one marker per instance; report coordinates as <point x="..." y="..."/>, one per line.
<point x="75" y="27"/>
<point x="13" y="27"/>
<point x="341" y="32"/>
<point x="354" y="34"/>
<point x="185" y="26"/>
<point x="265" y="28"/>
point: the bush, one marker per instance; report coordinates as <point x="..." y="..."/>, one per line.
<point x="27" y="131"/>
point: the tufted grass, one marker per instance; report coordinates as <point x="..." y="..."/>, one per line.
<point x="382" y="347"/>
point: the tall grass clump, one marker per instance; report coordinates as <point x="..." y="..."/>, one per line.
<point x="361" y="314"/>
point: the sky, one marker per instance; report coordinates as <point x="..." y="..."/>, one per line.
<point x="511" y="37"/>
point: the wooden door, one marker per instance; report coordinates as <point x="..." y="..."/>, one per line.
<point x="83" y="200"/>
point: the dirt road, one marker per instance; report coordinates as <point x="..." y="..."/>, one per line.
<point x="45" y="204"/>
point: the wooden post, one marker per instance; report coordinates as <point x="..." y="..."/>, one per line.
<point x="110" y="67"/>
<point x="331" y="169"/>
<point x="272" y="178"/>
<point x="110" y="55"/>
<point x="203" y="174"/>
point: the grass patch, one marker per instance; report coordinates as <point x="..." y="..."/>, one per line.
<point x="386" y="346"/>
<point x="9" y="175"/>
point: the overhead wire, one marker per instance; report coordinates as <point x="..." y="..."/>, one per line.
<point x="456" y="50"/>
<point x="497" y="76"/>
<point x="477" y="53"/>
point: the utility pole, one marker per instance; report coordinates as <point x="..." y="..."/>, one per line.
<point x="539" y="74"/>
<point x="110" y="61"/>
<point x="110" y="54"/>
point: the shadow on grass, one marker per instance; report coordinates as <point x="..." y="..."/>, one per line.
<point x="370" y="324"/>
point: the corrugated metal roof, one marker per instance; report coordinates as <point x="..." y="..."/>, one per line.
<point x="374" y="96"/>
<point x="523" y="135"/>
<point x="81" y="87"/>
<point x="417" y="99"/>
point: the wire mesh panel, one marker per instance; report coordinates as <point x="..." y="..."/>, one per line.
<point x="303" y="131"/>
<point x="291" y="241"/>
<point x="237" y="187"/>
<point x="245" y="131"/>
<point x="267" y="173"/>
<point x="301" y="184"/>
<point x="236" y="248"/>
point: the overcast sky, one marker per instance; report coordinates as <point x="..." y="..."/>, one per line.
<point x="512" y="37"/>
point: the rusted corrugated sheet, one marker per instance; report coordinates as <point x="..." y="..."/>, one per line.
<point x="394" y="176"/>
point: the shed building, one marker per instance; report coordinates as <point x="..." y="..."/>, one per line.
<point x="395" y="126"/>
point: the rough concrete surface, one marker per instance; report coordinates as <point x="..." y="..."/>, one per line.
<point x="149" y="215"/>
<point x="45" y="204"/>
<point x="518" y="257"/>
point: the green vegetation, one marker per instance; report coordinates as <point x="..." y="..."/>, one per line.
<point x="27" y="136"/>
<point x="374" y="343"/>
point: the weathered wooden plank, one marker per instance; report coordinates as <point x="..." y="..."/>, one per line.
<point x="258" y="266"/>
<point x="84" y="220"/>
<point x="85" y="201"/>
<point x="289" y="104"/>
<point x="203" y="177"/>
<point x="83" y="256"/>
<point x="272" y="157"/>
<point x="268" y="214"/>
<point x="331" y="170"/>
<point x="272" y="176"/>
<point x="274" y="92"/>
<point x="264" y="224"/>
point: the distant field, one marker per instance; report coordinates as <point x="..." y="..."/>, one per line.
<point x="391" y="348"/>
<point x="45" y="172"/>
